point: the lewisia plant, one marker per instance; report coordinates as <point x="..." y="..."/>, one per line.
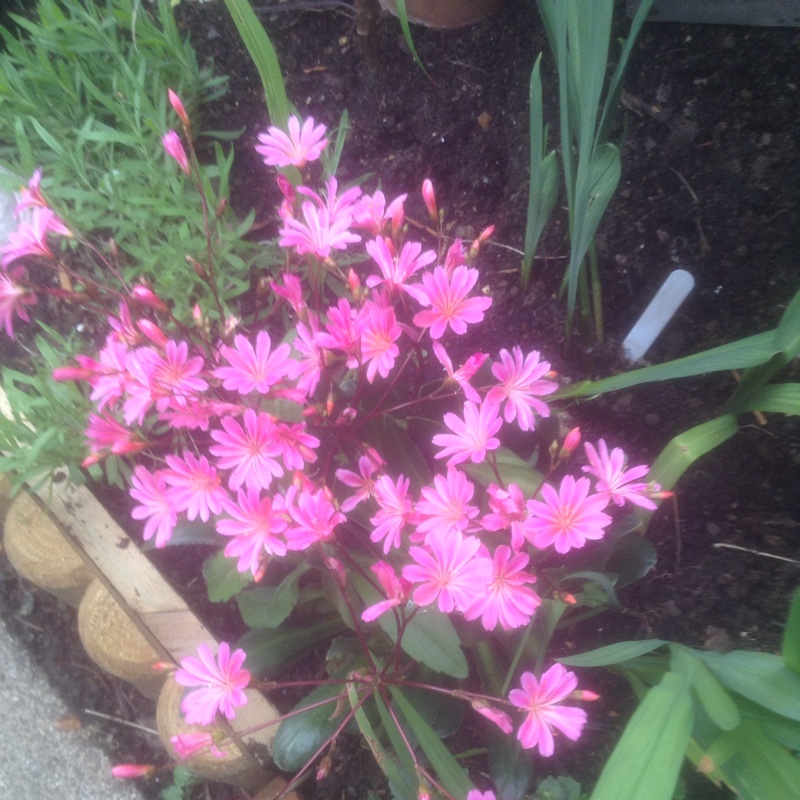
<point x="348" y="453"/>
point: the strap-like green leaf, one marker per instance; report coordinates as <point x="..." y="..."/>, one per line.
<point x="646" y="761"/>
<point x="452" y="775"/>
<point x="612" y="654"/>
<point x="790" y="647"/>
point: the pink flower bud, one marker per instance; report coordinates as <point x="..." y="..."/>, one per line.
<point x="586" y="695"/>
<point x="429" y="196"/>
<point x="572" y="440"/>
<point x="174" y="147"/>
<point x="177" y="104"/>
<point x="72" y="374"/>
<point x="148" y="297"/>
<point x="152" y="332"/>
<point x="125" y="771"/>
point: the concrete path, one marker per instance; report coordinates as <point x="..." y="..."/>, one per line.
<point x="38" y="761"/>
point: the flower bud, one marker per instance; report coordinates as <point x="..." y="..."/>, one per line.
<point x="221" y="206"/>
<point x="72" y="374"/>
<point x="586" y="695"/>
<point x="152" y="332"/>
<point x="429" y="196"/>
<point x="177" y="104"/>
<point x="148" y="297"/>
<point x="174" y="147"/>
<point x="571" y="441"/>
<point x="125" y="771"/>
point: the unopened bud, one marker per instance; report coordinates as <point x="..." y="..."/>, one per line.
<point x="126" y="771"/>
<point x="354" y="282"/>
<point x="324" y="767"/>
<point x="72" y="374"/>
<point x="571" y="441"/>
<point x="174" y="147"/>
<point x="164" y="667"/>
<point x="429" y="196"/>
<point x="177" y="104"/>
<point x="198" y="268"/>
<point x="152" y="332"/>
<point x="221" y="206"/>
<point x="586" y="695"/>
<point x="147" y="296"/>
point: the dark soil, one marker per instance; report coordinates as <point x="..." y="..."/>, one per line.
<point x="710" y="138"/>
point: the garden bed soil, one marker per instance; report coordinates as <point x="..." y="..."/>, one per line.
<point x="710" y="134"/>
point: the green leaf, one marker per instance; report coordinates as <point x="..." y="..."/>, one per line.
<point x="716" y="702"/>
<point x="790" y="646"/>
<point x="223" y="578"/>
<point x="782" y="398"/>
<point x="390" y="436"/>
<point x="755" y="767"/>
<point x="543" y="183"/>
<point x="270" y="649"/>
<point x="402" y="777"/>
<point x="402" y="15"/>
<point x="632" y="557"/>
<point x="452" y="775"/>
<point x="760" y="677"/>
<point x="682" y="451"/>
<point x="510" y="766"/>
<point x="300" y="737"/>
<point x="512" y="469"/>
<point x="269" y="606"/>
<point x="612" y="654"/>
<point x="647" y="759"/>
<point x="561" y="788"/>
<point x="742" y="353"/>
<point x="264" y="58"/>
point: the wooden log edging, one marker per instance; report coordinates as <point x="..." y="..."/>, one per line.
<point x="126" y="583"/>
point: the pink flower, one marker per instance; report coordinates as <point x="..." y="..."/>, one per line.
<point x="221" y="684"/>
<point x="249" y="451"/>
<point x="449" y="571"/>
<point x="463" y="374"/>
<point x="255" y="369"/>
<point x="312" y="356"/>
<point x="31" y="195"/>
<point x="13" y="299"/>
<point x="495" y="715"/>
<point x="566" y="518"/>
<point x="156" y="507"/>
<point x="370" y="212"/>
<point x="508" y="600"/>
<point x="30" y="238"/>
<point x="296" y="445"/>
<point x="472" y="436"/>
<point x="445" y="505"/>
<point x="362" y="481"/>
<point x="540" y="700"/>
<point x="105" y="433"/>
<point x="447" y="296"/>
<point x="397" y="591"/>
<point x="319" y="233"/>
<point x="395" y="511"/>
<point x="520" y="386"/>
<point x="255" y="525"/>
<point x="613" y="480"/>
<point x="314" y="517"/>
<point x="339" y="206"/>
<point x="341" y="332"/>
<point x="186" y="745"/>
<point x="477" y="794"/>
<point x="292" y="292"/>
<point x="299" y="147"/>
<point x="174" y="147"/>
<point x="379" y="331"/>
<point x="396" y="269"/>
<point x="111" y="375"/>
<point x="507" y="512"/>
<point x="194" y="486"/>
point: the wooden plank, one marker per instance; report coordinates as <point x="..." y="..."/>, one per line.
<point x="766" y="13"/>
<point x="159" y="612"/>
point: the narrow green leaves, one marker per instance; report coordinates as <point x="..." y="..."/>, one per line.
<point x="612" y="654"/>
<point x="790" y="647"/>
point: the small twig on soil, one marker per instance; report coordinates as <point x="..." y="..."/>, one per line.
<point x="705" y="247"/>
<point x="118" y="720"/>
<point x="756" y="552"/>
